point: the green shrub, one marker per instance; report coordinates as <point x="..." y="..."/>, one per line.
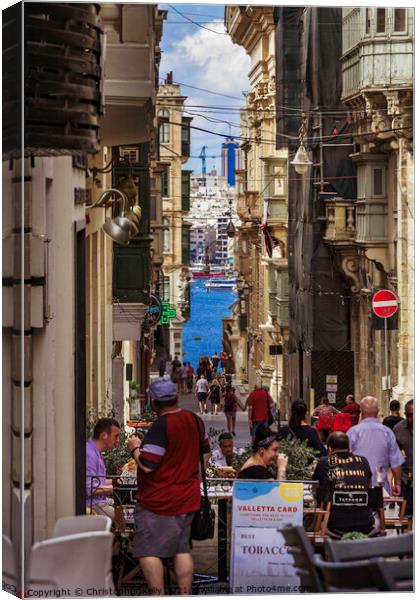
<point x="354" y="535"/>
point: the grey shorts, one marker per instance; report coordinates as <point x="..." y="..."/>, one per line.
<point x="161" y="535"/>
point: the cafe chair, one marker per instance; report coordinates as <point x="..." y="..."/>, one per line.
<point x="361" y="575"/>
<point x="79" y="562"/>
<point x="392" y="546"/>
<point x="303" y="554"/>
<point x="10" y="574"/>
<point x="81" y="524"/>
<point x="401" y="522"/>
<point x="319" y="521"/>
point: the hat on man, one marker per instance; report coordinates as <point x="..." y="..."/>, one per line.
<point x="162" y="389"/>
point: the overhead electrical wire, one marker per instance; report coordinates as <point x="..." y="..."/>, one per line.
<point x="204" y="90"/>
<point x="196" y="23"/>
<point x="312" y="139"/>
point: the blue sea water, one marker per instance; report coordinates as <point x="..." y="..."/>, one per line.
<point x="207" y="311"/>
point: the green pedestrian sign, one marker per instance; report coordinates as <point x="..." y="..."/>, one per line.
<point x="167" y="313"/>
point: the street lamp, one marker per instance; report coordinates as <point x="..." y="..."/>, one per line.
<point x="123" y="227"/>
<point x="230" y="229"/>
<point x="301" y="162"/>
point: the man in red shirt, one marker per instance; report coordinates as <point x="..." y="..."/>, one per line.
<point x="168" y="488"/>
<point x="352" y="408"/>
<point x="259" y="404"/>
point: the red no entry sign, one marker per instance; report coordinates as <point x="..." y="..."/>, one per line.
<point x="384" y="304"/>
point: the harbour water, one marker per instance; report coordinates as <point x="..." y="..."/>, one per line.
<point x="207" y="310"/>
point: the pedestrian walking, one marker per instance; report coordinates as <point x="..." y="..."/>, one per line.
<point x="230" y="405"/>
<point x="168" y="493"/>
<point x="223" y="360"/>
<point x="378" y="444"/>
<point x="215" y="396"/>
<point x="351" y="408"/>
<point x="184" y="377"/>
<point x="190" y="377"/>
<point x="394" y="416"/>
<point x="259" y="403"/>
<point x="404" y="434"/>
<point x="215" y="361"/>
<point x="202" y="388"/>
<point x="162" y="363"/>
<point x="323" y="416"/>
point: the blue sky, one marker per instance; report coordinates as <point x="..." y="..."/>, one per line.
<point x="208" y="60"/>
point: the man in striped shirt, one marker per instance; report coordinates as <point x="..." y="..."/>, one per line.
<point x="168" y="488"/>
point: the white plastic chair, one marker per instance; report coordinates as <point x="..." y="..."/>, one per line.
<point x="9" y="566"/>
<point x="81" y="524"/>
<point x="76" y="562"/>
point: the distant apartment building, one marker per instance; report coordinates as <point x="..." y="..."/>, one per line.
<point x="211" y="210"/>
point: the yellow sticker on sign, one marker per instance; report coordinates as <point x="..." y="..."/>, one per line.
<point x="291" y="492"/>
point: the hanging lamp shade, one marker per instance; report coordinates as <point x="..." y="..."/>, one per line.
<point x="116" y="232"/>
<point x="230" y="229"/>
<point x="301" y="162"/>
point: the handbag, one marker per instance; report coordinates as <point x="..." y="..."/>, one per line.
<point x="269" y="413"/>
<point x="202" y="527"/>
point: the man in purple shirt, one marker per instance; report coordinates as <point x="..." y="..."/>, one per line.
<point x="106" y="435"/>
<point x="377" y="443"/>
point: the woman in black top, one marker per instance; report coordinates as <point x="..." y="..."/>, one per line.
<point x="298" y="428"/>
<point x="265" y="450"/>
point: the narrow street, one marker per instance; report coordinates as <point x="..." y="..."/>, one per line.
<point x="207" y="196"/>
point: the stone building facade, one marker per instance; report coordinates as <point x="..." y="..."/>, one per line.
<point x="260" y="316"/>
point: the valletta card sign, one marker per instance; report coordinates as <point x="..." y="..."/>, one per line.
<point x="260" y="562"/>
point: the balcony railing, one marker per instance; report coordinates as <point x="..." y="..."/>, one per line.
<point x="340" y="214"/>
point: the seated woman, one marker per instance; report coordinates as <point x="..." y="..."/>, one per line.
<point x="265" y="451"/>
<point x="298" y="427"/>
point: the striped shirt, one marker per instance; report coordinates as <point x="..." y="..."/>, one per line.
<point x="171" y="449"/>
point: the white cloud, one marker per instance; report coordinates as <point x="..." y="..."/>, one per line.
<point x="210" y="61"/>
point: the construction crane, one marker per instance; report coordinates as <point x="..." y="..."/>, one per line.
<point x="203" y="160"/>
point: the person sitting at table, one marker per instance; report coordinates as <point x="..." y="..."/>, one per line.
<point x="343" y="471"/>
<point x="265" y="452"/>
<point x="106" y="436"/>
<point x="224" y="455"/>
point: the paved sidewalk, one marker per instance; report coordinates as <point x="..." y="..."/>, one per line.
<point x="218" y="422"/>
